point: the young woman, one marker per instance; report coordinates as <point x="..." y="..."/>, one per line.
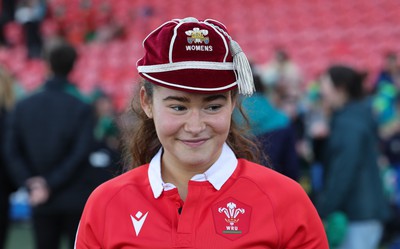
<point x="352" y="185"/>
<point x="192" y="184"/>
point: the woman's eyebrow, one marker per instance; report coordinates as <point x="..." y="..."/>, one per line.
<point x="177" y="98"/>
<point x="214" y="97"/>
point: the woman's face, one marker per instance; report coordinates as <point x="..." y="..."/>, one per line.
<point x="332" y="97"/>
<point x="192" y="128"/>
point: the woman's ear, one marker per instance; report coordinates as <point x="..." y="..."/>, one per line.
<point x="146" y="103"/>
<point x="234" y="101"/>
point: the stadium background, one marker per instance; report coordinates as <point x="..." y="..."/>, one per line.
<point x="314" y="32"/>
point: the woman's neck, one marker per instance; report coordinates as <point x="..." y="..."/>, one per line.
<point x="179" y="176"/>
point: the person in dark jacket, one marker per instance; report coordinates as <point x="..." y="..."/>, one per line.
<point x="352" y="183"/>
<point x="49" y="138"/>
<point x="7" y="100"/>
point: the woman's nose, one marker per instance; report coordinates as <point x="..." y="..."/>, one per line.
<point x="195" y="123"/>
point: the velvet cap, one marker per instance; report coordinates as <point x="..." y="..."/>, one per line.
<point x="195" y="56"/>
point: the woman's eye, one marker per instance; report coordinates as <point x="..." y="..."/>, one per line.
<point x="214" y="107"/>
<point x="178" y="108"/>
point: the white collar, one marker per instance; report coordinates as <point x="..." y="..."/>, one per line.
<point x="217" y="174"/>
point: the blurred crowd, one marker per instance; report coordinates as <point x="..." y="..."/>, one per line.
<point x="344" y="137"/>
<point x="57" y="145"/>
<point x="336" y="135"/>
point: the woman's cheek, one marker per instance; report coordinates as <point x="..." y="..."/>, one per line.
<point x="220" y="124"/>
<point x="167" y="126"/>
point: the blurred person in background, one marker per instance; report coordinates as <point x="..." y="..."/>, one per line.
<point x="386" y="107"/>
<point x="106" y="155"/>
<point x="31" y="13"/>
<point x="312" y="138"/>
<point x="285" y="76"/>
<point x="7" y="100"/>
<point x="7" y="10"/>
<point x="352" y="183"/>
<point x="283" y="79"/>
<point x="106" y="129"/>
<point x="390" y="142"/>
<point x="384" y="97"/>
<point x="48" y="140"/>
<point x="390" y="73"/>
<point x="273" y="130"/>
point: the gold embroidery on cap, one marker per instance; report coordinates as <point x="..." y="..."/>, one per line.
<point x="197" y="36"/>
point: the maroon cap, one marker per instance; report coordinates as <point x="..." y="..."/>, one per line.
<point x="190" y="55"/>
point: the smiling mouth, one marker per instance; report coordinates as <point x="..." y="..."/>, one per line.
<point x="194" y="143"/>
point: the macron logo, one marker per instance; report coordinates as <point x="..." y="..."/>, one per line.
<point x="138" y="221"/>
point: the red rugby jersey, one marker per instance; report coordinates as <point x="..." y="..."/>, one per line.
<point x="255" y="207"/>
